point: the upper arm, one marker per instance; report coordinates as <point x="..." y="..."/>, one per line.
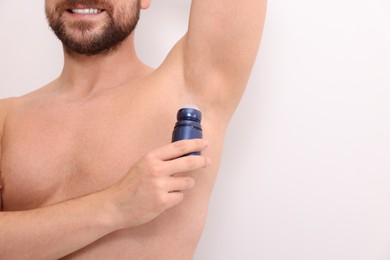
<point x="220" y="47"/>
<point x="1" y="197"/>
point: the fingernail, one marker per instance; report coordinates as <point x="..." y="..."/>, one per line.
<point x="206" y="143"/>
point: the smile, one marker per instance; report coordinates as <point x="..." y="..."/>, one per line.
<point x="86" y="11"/>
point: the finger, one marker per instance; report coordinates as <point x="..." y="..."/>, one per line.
<point x="180" y="148"/>
<point x="186" y="164"/>
<point x="176" y="184"/>
<point x="174" y="198"/>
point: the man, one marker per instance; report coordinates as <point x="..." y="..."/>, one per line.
<point x="87" y="168"/>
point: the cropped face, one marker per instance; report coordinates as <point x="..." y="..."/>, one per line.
<point x="91" y="27"/>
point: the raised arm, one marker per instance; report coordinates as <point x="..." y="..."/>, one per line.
<point x="221" y="46"/>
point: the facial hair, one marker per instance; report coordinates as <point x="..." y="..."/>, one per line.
<point x="115" y="30"/>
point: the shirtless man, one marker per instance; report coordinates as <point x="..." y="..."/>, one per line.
<point x="87" y="167"/>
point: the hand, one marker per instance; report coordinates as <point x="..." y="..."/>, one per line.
<point x="151" y="187"/>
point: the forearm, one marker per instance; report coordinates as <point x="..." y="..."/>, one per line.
<point x="55" y="231"/>
<point x="143" y="194"/>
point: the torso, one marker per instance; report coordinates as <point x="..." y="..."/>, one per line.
<point x="54" y="149"/>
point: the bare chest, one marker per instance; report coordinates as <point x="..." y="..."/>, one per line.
<point x="53" y="152"/>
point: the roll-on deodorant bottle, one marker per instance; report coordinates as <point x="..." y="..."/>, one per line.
<point x="188" y="125"/>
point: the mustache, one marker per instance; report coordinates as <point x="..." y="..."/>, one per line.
<point x="65" y="5"/>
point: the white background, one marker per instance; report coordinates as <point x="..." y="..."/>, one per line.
<point x="306" y="169"/>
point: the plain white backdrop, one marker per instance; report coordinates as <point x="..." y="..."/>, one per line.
<point x="306" y="166"/>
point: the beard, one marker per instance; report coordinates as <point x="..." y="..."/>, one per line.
<point x="83" y="37"/>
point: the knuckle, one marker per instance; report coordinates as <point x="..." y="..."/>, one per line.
<point x="157" y="186"/>
<point x="149" y="157"/>
<point x="155" y="170"/>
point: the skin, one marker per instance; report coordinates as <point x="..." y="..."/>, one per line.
<point x="87" y="167"/>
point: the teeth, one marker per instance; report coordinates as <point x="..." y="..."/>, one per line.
<point x="86" y="11"/>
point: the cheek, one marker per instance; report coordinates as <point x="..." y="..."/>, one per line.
<point x="52" y="15"/>
<point x="128" y="12"/>
<point x="54" y="8"/>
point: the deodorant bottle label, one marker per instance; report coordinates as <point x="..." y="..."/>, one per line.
<point x="188" y="125"/>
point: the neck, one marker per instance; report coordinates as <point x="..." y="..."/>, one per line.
<point x="85" y="75"/>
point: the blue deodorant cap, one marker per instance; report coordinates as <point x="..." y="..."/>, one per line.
<point x="188" y="125"/>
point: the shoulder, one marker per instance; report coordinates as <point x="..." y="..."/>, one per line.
<point x="5" y="105"/>
<point x="8" y="104"/>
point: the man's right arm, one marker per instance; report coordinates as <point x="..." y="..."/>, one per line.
<point x="51" y="232"/>
<point x="148" y="189"/>
<point x="55" y="231"/>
